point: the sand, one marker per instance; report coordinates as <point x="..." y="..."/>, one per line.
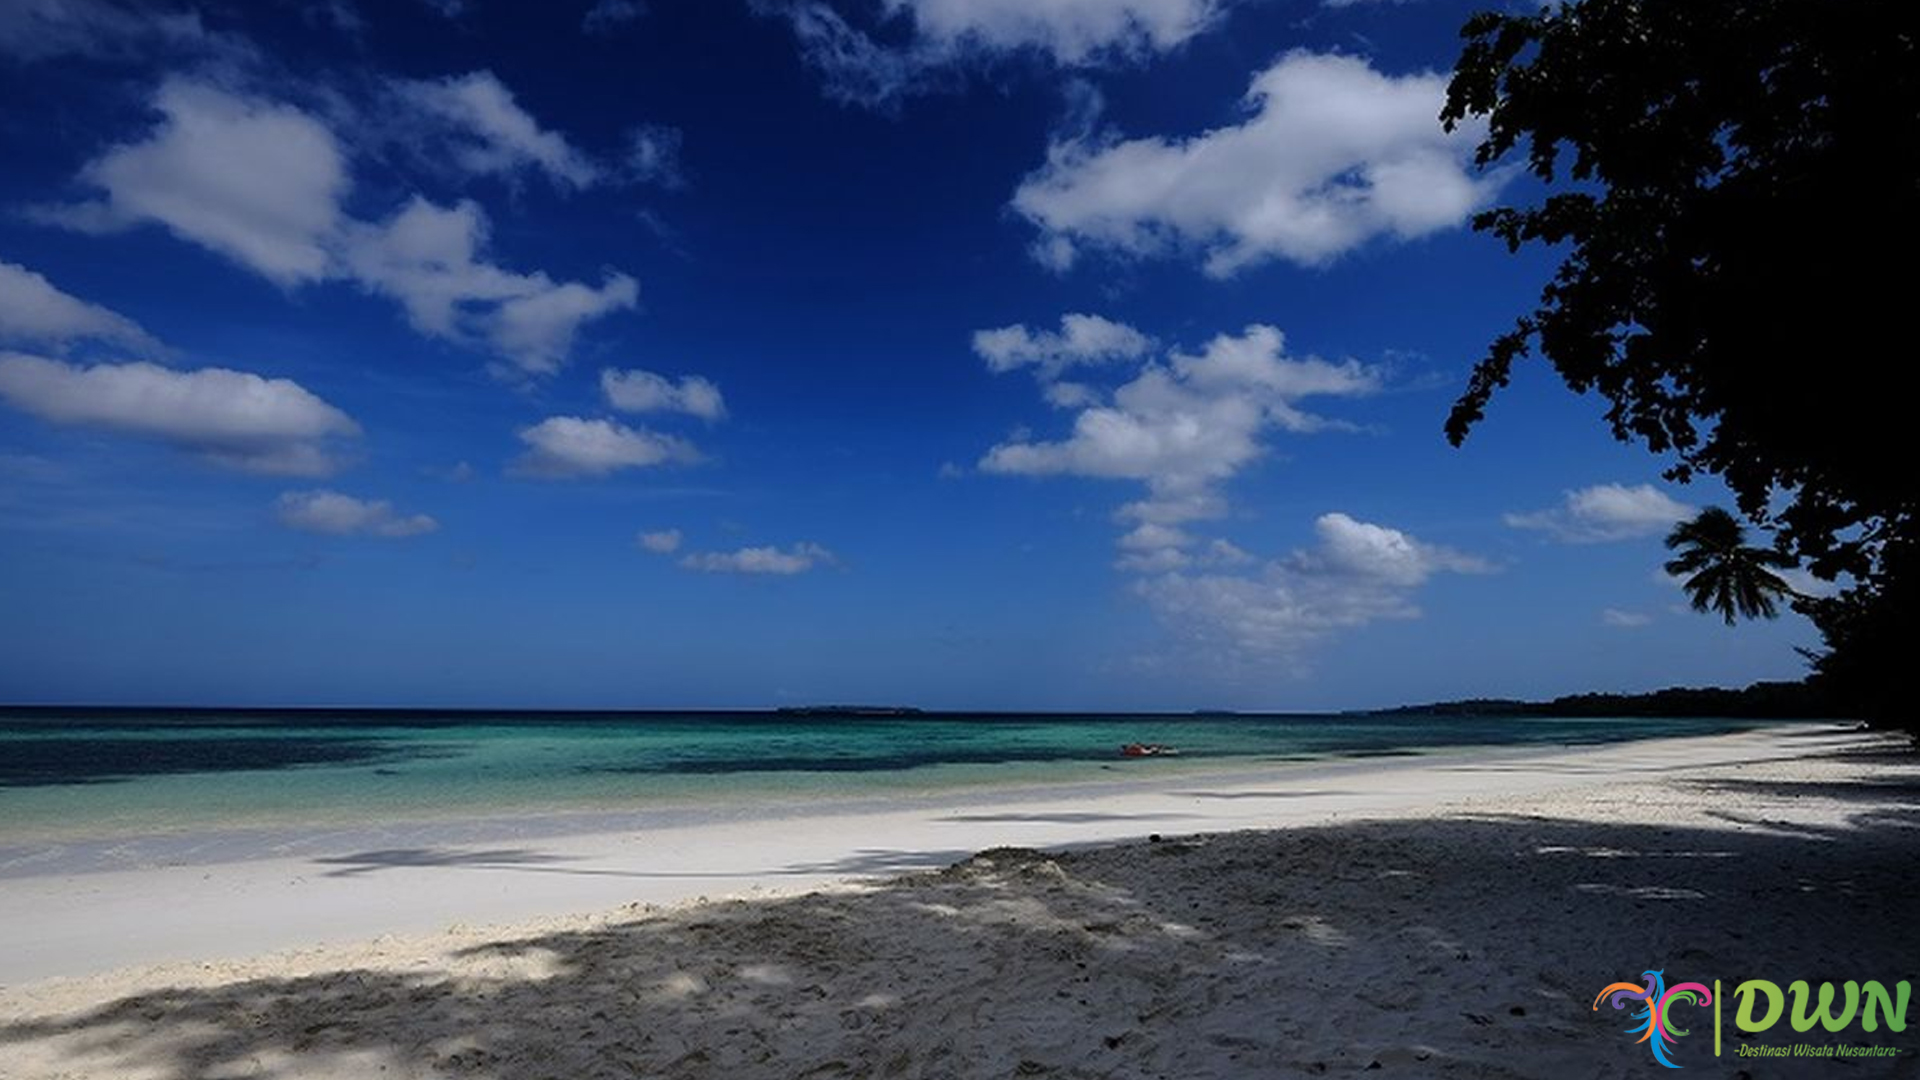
<point x="1436" y="918"/>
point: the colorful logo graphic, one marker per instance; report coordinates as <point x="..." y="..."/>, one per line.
<point x="1656" y="1000"/>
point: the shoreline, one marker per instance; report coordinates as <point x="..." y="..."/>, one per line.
<point x="1438" y="919"/>
<point x="36" y="855"/>
<point x="231" y="898"/>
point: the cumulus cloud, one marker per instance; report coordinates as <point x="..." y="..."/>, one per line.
<point x="563" y="447"/>
<point x="664" y="542"/>
<point x="262" y="184"/>
<point x="639" y="391"/>
<point x="334" y="514"/>
<point x="1350" y="548"/>
<point x="257" y="182"/>
<point x="1358" y="573"/>
<point x="937" y="37"/>
<point x="797" y="559"/>
<point x="431" y="259"/>
<point x="234" y="418"/>
<point x="1183" y="426"/>
<point x="1081" y="339"/>
<point x="488" y="132"/>
<point x="1624" y="620"/>
<point x="1331" y="155"/>
<point x="1606" y="512"/>
<point x="34" y="312"/>
<point x="1186" y="425"/>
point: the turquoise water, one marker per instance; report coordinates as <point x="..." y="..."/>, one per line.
<point x="92" y="774"/>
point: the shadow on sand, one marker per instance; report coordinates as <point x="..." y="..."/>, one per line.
<point x="865" y="862"/>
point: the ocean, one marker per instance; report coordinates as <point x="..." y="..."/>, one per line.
<point x="99" y="776"/>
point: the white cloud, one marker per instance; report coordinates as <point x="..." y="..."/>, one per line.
<point x="1624" y="620"/>
<point x="490" y="133"/>
<point x="1806" y="584"/>
<point x="1081" y="339"/>
<point x="1606" y="512"/>
<point x="1151" y="536"/>
<point x="942" y="36"/>
<point x="1357" y="574"/>
<point x="34" y="312"/>
<point x="653" y="156"/>
<point x="1154" y="561"/>
<point x="1333" y="154"/>
<point x="561" y="447"/>
<point x="1224" y="553"/>
<point x="1154" y="548"/>
<point x="261" y="183"/>
<point x="1186" y="425"/>
<point x="664" y="542"/>
<point x="1071" y="31"/>
<point x="856" y="69"/>
<point x="335" y="514"/>
<point x="257" y="182"/>
<point x="430" y="259"/>
<point x="797" y="559"/>
<point x="1171" y="507"/>
<point x="639" y="391"/>
<point x="608" y="16"/>
<point x="1357" y="549"/>
<point x="1069" y="395"/>
<point x="234" y="418"/>
<point x="536" y="328"/>
<point x="43" y="29"/>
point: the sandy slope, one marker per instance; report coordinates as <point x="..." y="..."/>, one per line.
<point x="1462" y="930"/>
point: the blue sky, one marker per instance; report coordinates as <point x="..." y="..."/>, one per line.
<point x="1056" y="354"/>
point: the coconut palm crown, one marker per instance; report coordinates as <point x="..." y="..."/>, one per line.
<point x="1721" y="573"/>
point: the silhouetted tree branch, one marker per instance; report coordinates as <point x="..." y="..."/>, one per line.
<point x="1735" y="185"/>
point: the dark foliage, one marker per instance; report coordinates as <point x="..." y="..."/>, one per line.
<point x="1735" y="183"/>
<point x="1806" y="700"/>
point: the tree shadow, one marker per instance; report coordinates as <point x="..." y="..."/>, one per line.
<point x="1469" y="945"/>
<point x="1256" y="794"/>
<point x="862" y="863"/>
<point x="1069" y="817"/>
<point x="1899" y="792"/>
<point x="367" y="862"/>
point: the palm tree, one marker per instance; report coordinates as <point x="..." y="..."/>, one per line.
<point x="1723" y="573"/>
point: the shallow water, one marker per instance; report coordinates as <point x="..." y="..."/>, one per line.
<point x="72" y="774"/>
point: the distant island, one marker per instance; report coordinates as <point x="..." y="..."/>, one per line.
<point x="1760" y="701"/>
<point x="849" y="710"/>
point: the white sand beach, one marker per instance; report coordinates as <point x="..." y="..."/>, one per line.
<point x="1443" y="916"/>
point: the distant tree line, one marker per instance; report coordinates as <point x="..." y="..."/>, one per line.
<point x="1805" y="700"/>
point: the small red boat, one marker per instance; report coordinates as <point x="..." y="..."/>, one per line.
<point x="1151" y="749"/>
